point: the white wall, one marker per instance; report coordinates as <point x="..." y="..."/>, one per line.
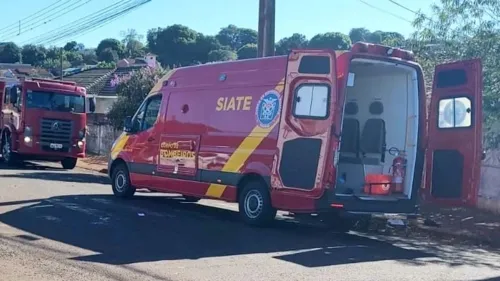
<point x="100" y="138"/>
<point x="489" y="188"/>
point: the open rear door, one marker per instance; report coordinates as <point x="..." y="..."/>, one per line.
<point x="305" y="125"/>
<point x="454" y="149"/>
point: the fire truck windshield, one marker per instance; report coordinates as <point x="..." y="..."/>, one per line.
<point x="55" y="101"/>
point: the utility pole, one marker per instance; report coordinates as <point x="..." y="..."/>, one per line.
<point x="266" y="38"/>
<point x="61" y="63"/>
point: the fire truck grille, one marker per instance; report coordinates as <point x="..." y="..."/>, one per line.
<point x="56" y="135"/>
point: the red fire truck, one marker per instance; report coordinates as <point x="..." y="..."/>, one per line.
<point x="43" y="119"/>
<point x="317" y="131"/>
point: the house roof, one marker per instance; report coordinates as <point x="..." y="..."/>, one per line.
<point x="93" y="79"/>
<point x="25" y="70"/>
<point x="99" y="81"/>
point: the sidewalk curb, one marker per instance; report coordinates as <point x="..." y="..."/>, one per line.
<point x="95" y="169"/>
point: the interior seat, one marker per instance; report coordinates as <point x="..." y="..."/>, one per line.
<point x="373" y="143"/>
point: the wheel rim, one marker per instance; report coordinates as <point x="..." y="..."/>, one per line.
<point x="254" y="203"/>
<point x="120" y="182"/>
<point x="6" y="151"/>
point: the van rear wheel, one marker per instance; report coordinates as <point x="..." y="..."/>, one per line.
<point x="255" y="205"/>
<point x="120" y="182"/>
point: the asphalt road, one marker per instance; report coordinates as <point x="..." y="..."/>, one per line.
<point x="65" y="225"/>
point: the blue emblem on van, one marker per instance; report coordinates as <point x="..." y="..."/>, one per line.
<point x="268" y="108"/>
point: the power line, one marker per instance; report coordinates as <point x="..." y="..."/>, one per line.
<point x="103" y="23"/>
<point x="30" y="16"/>
<point x="384" y="11"/>
<point x="56" y="15"/>
<point x="98" y="24"/>
<point x="34" y="18"/>
<point x="404" y="7"/>
<point x="89" y="23"/>
<point x="75" y="25"/>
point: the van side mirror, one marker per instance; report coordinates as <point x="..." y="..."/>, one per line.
<point x="92" y="104"/>
<point x="13" y="95"/>
<point x="127" y="124"/>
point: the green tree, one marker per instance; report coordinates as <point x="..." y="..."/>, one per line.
<point x="457" y="30"/>
<point x="74" y="58"/>
<point x="34" y="55"/>
<point x="133" y="43"/>
<point x="360" y="34"/>
<point x="112" y="44"/>
<point x="103" y="64"/>
<point x="330" y="40"/>
<point x="10" y="53"/>
<point x="236" y="37"/>
<point x="296" y="41"/>
<point x="248" y="51"/>
<point x="131" y="93"/>
<point x="89" y="56"/>
<point x="222" y="55"/>
<point x="108" y="55"/>
<point x="203" y="45"/>
<point x="54" y="65"/>
<point x="173" y="44"/>
<point x="71" y="46"/>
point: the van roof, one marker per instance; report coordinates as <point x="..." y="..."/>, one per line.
<point x="239" y="72"/>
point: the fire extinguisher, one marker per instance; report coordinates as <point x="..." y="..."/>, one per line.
<point x="398" y="172"/>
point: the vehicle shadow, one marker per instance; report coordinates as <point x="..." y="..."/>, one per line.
<point x="53" y="175"/>
<point x="25" y="165"/>
<point x="154" y="228"/>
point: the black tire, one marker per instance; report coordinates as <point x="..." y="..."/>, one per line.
<point x="8" y="156"/>
<point x="191" y="199"/>
<point x="69" y="163"/>
<point x="255" y="205"/>
<point x="120" y="182"/>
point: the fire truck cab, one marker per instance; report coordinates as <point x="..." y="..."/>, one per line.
<point x="333" y="133"/>
<point x="43" y="119"/>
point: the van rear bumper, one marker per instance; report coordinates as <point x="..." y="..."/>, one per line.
<point x="353" y="206"/>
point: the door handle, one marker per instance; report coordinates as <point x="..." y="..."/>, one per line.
<point x="151" y="139"/>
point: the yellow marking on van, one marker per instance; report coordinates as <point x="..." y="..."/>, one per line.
<point x="118" y="147"/>
<point x="244" y="150"/>
<point x="234" y="103"/>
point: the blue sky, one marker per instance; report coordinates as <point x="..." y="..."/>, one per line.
<point x="307" y="17"/>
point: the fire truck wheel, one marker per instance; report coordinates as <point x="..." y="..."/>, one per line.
<point x="120" y="178"/>
<point x="69" y="163"/>
<point x="8" y="156"/>
<point x="255" y="204"/>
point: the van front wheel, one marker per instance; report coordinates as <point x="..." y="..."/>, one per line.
<point x="255" y="204"/>
<point x="120" y="182"/>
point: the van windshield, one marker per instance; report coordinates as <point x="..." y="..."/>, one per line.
<point x="55" y="101"/>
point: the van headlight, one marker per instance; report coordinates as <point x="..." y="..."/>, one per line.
<point x="27" y="139"/>
<point x="80" y="144"/>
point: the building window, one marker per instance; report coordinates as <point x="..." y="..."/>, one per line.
<point x="311" y="101"/>
<point x="455" y="113"/>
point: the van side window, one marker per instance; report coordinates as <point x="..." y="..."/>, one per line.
<point x="147" y="114"/>
<point x="311" y="101"/>
<point x="455" y="113"/>
<point x="151" y="113"/>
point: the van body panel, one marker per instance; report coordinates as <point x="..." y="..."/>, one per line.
<point x="222" y="123"/>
